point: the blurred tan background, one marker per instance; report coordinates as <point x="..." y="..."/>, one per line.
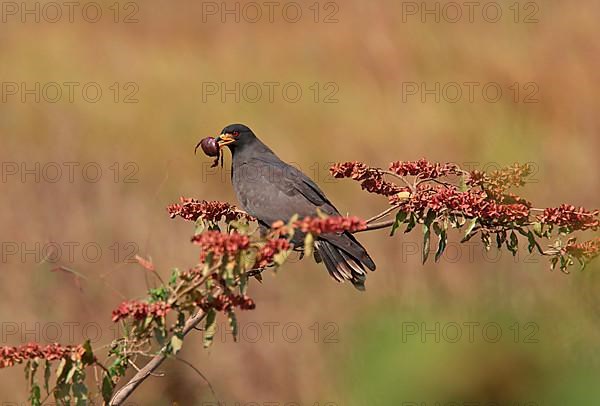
<point x="164" y="82"/>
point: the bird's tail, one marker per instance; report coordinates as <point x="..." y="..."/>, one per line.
<point x="341" y="265"/>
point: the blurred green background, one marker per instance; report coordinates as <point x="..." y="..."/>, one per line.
<point x="393" y="344"/>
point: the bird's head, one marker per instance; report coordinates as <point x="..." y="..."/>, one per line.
<point x="235" y="136"/>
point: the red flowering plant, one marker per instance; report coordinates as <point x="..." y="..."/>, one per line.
<point x="70" y="374"/>
<point x="443" y="196"/>
<point x="232" y="252"/>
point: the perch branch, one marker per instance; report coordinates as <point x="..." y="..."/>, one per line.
<point x="377" y="226"/>
<point x="147" y="370"/>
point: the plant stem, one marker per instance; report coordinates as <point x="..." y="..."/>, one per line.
<point x="126" y="390"/>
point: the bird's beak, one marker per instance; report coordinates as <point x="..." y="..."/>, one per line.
<point x="224" y="139"/>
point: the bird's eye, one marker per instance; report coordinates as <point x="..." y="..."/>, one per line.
<point x="235" y="133"/>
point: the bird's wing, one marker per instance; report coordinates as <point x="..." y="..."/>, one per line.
<point x="294" y="184"/>
<point x="274" y="190"/>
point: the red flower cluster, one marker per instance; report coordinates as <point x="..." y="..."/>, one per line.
<point x="269" y="250"/>
<point x="10" y="356"/>
<point x="570" y="217"/>
<point x="439" y="198"/>
<point x="477" y="178"/>
<point x="586" y="250"/>
<point x="505" y="213"/>
<point x="225" y="302"/>
<point x="219" y="244"/>
<point x="316" y="225"/>
<point x="470" y="204"/>
<point x="370" y="179"/>
<point x="140" y="310"/>
<point x="423" y="169"/>
<point x="192" y="210"/>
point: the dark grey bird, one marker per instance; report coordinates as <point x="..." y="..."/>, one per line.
<point x="271" y="190"/>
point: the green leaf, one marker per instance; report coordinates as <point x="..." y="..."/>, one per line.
<point x="533" y="243"/>
<point x="200" y="226"/>
<point x="243" y="283"/>
<point x="207" y="265"/>
<point x="61" y="391"/>
<point x="426" y="242"/>
<point x="176" y="343"/>
<point x="281" y="257"/>
<point x="71" y="373"/>
<point x="486" y="240"/>
<point x="412" y="222"/>
<point x="158" y="294"/>
<point x="471" y="225"/>
<point x="210" y="327"/>
<point x="32" y="367"/>
<point x="564" y="263"/>
<point x="160" y="335"/>
<point x="308" y="244"/>
<point x="27" y="370"/>
<point x="441" y="245"/>
<point x="436" y="228"/>
<point x="47" y="373"/>
<point x="35" y="395"/>
<point x="456" y="220"/>
<point x="88" y="355"/>
<point x="119" y="366"/>
<point x="80" y="391"/>
<point x="233" y="324"/>
<point x="453" y="220"/>
<point x="180" y="321"/>
<point x="174" y="276"/>
<point x="107" y="388"/>
<point x="431" y="215"/>
<point x="538" y="228"/>
<point x="61" y="369"/>
<point x="400" y="217"/>
<point x="229" y="274"/>
<point x="513" y="243"/>
<point x="500" y="238"/>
